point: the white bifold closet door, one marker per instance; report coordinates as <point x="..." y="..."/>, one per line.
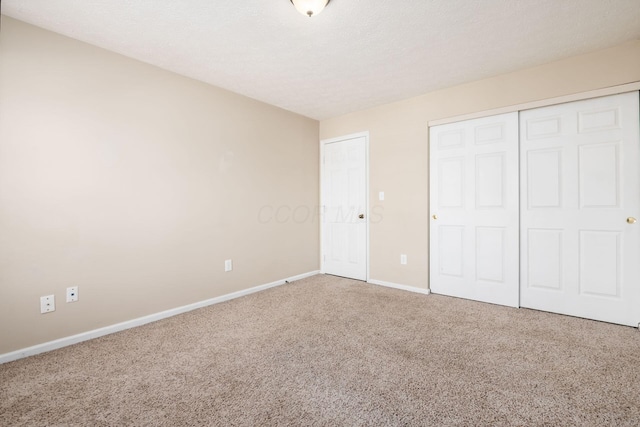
<point x="474" y="209"/>
<point x="580" y="194"/>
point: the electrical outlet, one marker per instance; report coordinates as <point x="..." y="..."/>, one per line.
<point x="403" y="259"/>
<point x="47" y="304"/>
<point x="72" y="294"/>
<point x="228" y="265"/>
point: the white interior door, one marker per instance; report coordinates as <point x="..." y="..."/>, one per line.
<point x="580" y="181"/>
<point x="344" y="219"/>
<point x="474" y="209"/>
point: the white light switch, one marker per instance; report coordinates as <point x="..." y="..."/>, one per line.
<point x="381" y="195"/>
<point x="228" y="265"/>
<point x="403" y="259"/>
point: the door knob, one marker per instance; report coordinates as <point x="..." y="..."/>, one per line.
<point x="361" y="216"/>
<point x="631" y="220"/>
<point x="434" y="216"/>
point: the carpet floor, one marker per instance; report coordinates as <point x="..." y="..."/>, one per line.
<point x="327" y="351"/>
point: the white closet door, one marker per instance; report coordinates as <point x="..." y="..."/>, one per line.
<point x="474" y="209"/>
<point x="580" y="190"/>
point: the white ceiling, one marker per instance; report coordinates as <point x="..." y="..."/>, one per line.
<point x="355" y="55"/>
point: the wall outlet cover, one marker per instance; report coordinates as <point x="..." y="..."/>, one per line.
<point x="47" y="304"/>
<point x="72" y="294"/>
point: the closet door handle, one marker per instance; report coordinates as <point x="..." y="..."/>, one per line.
<point x="631" y="220"/>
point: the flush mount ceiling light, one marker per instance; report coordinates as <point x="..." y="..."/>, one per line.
<point x="310" y="7"/>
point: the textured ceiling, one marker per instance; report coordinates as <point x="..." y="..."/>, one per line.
<point x="355" y="55"/>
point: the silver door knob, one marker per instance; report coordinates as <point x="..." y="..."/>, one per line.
<point x="631" y="220"/>
<point x="434" y="216"/>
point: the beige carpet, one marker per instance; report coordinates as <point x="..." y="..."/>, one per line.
<point x="327" y="351"/>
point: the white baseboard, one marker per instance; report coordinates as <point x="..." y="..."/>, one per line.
<point x="397" y="286"/>
<point x="84" y="336"/>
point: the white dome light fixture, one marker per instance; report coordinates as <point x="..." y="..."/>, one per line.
<point x="310" y="7"/>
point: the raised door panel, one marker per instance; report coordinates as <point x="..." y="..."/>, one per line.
<point x="599" y="175"/>
<point x="544" y="177"/>
<point x="452" y="183"/>
<point x="451" y="251"/>
<point x="490" y="180"/>
<point x="544" y="251"/>
<point x="600" y="262"/>
<point x="490" y="254"/>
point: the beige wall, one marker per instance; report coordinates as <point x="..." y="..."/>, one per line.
<point x="136" y="184"/>
<point x="399" y="145"/>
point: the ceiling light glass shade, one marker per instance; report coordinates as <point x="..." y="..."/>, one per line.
<point x="310" y="7"/>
